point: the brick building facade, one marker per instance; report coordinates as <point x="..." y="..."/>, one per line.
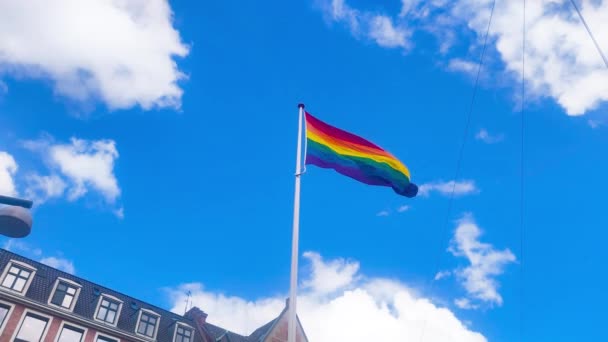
<point x="39" y="303"/>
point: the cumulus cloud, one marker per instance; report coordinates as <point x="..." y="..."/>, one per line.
<point x="88" y="164"/>
<point x="384" y="32"/>
<point x="485" y="263"/>
<point x="561" y="61"/>
<point x="382" y="29"/>
<point x="27" y="250"/>
<point x="60" y="264"/>
<point x="486" y="137"/>
<point x="78" y="167"/>
<point x="42" y="188"/>
<point x="334" y="298"/>
<point x="465" y="304"/>
<point x="461" y="188"/>
<point x="8" y="168"/>
<point x="120" y="52"/>
<point x="329" y="276"/>
<point x="461" y="65"/>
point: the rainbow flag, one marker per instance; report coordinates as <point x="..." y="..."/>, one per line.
<point x="332" y="148"/>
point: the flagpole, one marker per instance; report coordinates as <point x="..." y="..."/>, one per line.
<point x="291" y="331"/>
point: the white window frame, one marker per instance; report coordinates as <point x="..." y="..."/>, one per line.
<point x="37" y="313"/>
<point x="177" y="324"/>
<point x="8" y="266"/>
<point x="98" y="335"/>
<point x="101" y="297"/>
<point x="76" y="295"/>
<point x="11" y="307"/>
<point x="149" y="312"/>
<point x="64" y="323"/>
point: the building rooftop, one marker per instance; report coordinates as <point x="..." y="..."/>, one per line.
<point x="39" y="292"/>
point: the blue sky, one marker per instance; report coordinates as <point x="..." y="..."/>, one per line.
<point x="158" y="140"/>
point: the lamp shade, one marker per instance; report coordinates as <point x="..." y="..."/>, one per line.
<point x="15" y="222"/>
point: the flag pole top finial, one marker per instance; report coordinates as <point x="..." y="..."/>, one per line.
<point x="301" y="105"/>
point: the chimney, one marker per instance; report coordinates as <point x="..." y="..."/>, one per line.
<point x="197" y="315"/>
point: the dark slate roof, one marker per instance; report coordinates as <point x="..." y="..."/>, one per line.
<point x="44" y="280"/>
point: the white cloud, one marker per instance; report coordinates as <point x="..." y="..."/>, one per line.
<point x="60" y="264"/>
<point x="403" y="208"/>
<point x="485" y="264"/>
<point x="88" y="164"/>
<point x="461" y="65"/>
<point x="42" y="188"/>
<point x="340" y="299"/>
<point x="442" y="274"/>
<point x="120" y="213"/>
<point x="488" y="138"/>
<point x="20" y="247"/>
<point x="340" y="11"/>
<point x="561" y="61"/>
<point x="77" y="168"/>
<point x="386" y="34"/>
<point x="399" y="209"/>
<point x="383" y="213"/>
<point x="381" y="29"/>
<point x="8" y="168"/>
<point x="329" y="276"/>
<point x="465" y="304"/>
<point x="461" y="188"/>
<point x="120" y="52"/>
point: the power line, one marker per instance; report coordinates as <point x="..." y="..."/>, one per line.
<point x="461" y="152"/>
<point x="597" y="46"/>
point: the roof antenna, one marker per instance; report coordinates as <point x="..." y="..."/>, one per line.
<point x="188" y="297"/>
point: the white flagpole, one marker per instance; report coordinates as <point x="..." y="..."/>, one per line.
<point x="291" y="332"/>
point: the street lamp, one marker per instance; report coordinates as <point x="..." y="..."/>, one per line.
<point x="15" y="218"/>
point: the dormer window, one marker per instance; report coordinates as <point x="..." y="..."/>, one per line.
<point x="17" y="276"/>
<point x="183" y="333"/>
<point x="147" y="324"/>
<point x="65" y="294"/>
<point x="108" y="309"/>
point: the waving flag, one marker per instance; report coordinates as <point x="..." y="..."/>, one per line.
<point x="332" y="148"/>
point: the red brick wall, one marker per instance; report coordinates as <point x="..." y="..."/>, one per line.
<point x="90" y="336"/>
<point x="11" y="324"/>
<point x="279" y="333"/>
<point x="52" y="330"/>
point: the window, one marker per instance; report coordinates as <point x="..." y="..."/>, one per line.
<point x="65" y="294"/>
<point x="70" y="334"/>
<point x="17" y="277"/>
<point x="32" y="328"/>
<point x="148" y="322"/>
<point x="108" y="310"/>
<point x="104" y="339"/>
<point x="183" y="334"/>
<point x="5" y="311"/>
